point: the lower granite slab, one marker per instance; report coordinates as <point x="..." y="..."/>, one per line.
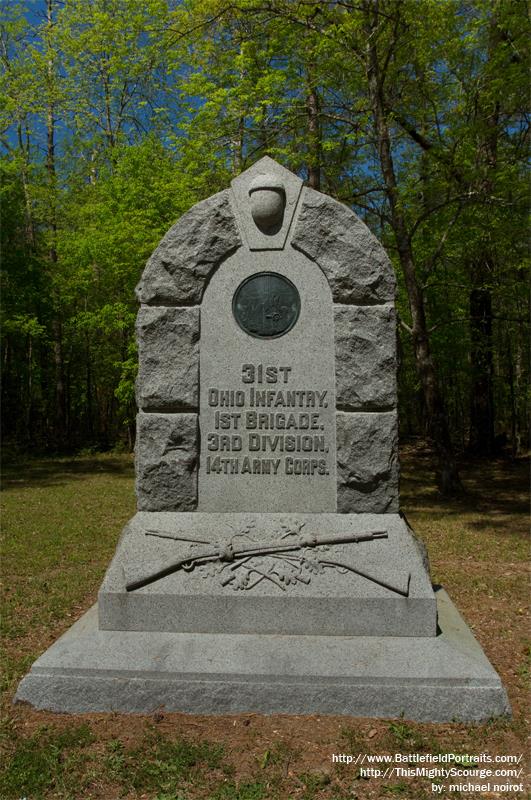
<point x="295" y="594"/>
<point x="433" y="679"/>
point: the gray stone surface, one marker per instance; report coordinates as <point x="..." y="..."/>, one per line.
<point x="303" y="360"/>
<point x="180" y="267"/>
<point x="338" y="628"/>
<point x="168" y="350"/>
<point x="367" y="459"/>
<point x="365" y="357"/>
<point x="297" y="597"/>
<point x="272" y="239"/>
<point x="353" y="260"/>
<point x="440" y="679"/>
<point x="166" y="462"/>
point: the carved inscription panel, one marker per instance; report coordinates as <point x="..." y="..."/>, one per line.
<point x="267" y="403"/>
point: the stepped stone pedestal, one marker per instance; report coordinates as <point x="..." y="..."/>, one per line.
<point x="268" y="568"/>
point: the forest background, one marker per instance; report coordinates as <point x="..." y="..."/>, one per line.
<point x="118" y="115"/>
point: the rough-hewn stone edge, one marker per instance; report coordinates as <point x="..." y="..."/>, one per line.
<point x="162" y="286"/>
<point x="379" y="492"/>
<point x="342" y="257"/>
<point x="187" y="399"/>
<point x="353" y="260"/>
<point x="347" y="395"/>
<point x="153" y="489"/>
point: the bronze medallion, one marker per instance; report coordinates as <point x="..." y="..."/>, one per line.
<point x="266" y="305"/>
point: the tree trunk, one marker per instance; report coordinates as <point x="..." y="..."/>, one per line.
<point x="88" y="378"/>
<point x="57" y="337"/>
<point x="109" y="133"/>
<point x="237" y="147"/>
<point x="517" y="381"/>
<point x="28" y="216"/>
<point x="314" y="138"/>
<point x="448" y="476"/>
<point x="60" y="393"/>
<point x="481" y="436"/>
<point x="29" y="402"/>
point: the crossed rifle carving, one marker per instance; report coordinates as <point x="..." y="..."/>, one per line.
<point x="241" y="554"/>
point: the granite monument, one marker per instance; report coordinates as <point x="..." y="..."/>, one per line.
<point x="268" y="567"/>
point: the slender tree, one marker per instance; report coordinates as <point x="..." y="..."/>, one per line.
<point x="119" y="115"/>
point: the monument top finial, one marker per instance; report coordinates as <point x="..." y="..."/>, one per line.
<point x="265" y="198"/>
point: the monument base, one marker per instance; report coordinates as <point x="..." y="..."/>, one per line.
<point x="430" y="679"/>
<point x="378" y="587"/>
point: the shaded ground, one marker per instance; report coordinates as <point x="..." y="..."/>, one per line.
<point x="58" y="471"/>
<point x="61" y="521"/>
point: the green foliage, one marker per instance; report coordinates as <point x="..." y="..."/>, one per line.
<point x="118" y="116"/>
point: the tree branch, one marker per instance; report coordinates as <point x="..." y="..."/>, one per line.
<point x="404" y="325"/>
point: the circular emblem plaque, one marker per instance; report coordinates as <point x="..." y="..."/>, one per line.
<point x="266" y="305"/>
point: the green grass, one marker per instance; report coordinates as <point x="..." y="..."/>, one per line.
<point x="257" y="790"/>
<point x="47" y="760"/>
<point x="60" y="764"/>
<point x="61" y="519"/>
<point x="61" y="522"/>
<point x="159" y="763"/>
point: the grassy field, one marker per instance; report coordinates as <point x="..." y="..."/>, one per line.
<point x="61" y="521"/>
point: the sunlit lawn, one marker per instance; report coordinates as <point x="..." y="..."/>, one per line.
<point x="61" y="519"/>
